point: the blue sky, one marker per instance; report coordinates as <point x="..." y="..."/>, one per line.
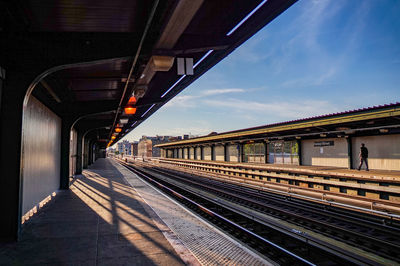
<point x="316" y="58"/>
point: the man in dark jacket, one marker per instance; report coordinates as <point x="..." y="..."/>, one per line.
<point x="363" y="156"/>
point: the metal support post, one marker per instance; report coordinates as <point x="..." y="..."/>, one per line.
<point x="13" y="88"/>
<point x="79" y="153"/>
<point x="85" y="154"/>
<point x="240" y="153"/>
<point x="350" y="151"/>
<point x="226" y="152"/>
<point x="299" y="151"/>
<point x="65" y="149"/>
<point x="266" y="152"/>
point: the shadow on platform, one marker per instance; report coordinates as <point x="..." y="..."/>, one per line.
<point x="99" y="221"/>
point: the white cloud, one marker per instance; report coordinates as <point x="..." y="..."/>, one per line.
<point x="221" y="91"/>
<point x="183" y="101"/>
<point x="178" y="131"/>
<point x="189" y="101"/>
<point x="280" y="109"/>
<point x="312" y="80"/>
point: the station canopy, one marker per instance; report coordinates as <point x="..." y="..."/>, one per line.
<point x="102" y="53"/>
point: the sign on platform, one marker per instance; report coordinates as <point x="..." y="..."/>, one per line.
<point x="324" y="143"/>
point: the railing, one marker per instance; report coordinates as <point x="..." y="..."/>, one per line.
<point x="296" y="182"/>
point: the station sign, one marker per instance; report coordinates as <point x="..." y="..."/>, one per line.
<point x="324" y="143"/>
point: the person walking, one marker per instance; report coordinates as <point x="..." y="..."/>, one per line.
<point x="363" y="156"/>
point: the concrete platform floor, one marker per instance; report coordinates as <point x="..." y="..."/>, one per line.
<point x="99" y="221"/>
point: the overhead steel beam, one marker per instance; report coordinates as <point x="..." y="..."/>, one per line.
<point x="180" y="19"/>
<point x="183" y="13"/>
<point x="146" y="29"/>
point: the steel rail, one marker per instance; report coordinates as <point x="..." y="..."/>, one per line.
<point x="314" y="244"/>
<point x="251" y="190"/>
<point x="323" y="224"/>
<point x="210" y="212"/>
<point x="292" y="194"/>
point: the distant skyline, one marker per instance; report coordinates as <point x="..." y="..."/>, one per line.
<point x="316" y="58"/>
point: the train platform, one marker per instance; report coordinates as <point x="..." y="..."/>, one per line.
<point x="111" y="217"/>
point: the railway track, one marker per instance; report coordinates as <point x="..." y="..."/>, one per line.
<point x="357" y="229"/>
<point x="258" y="234"/>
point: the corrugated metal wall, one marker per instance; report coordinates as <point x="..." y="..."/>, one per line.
<point x="41" y="154"/>
<point x="219" y="153"/>
<point x="191" y="153"/>
<point x="233" y="153"/>
<point x="207" y="153"/>
<point x="383" y="151"/>
<point x="198" y="153"/>
<point x="334" y="155"/>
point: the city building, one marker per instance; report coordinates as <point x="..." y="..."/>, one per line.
<point x="124" y="147"/>
<point x="134" y="148"/>
<point x="146" y="146"/>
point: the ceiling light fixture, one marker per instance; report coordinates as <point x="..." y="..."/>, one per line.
<point x="129" y="110"/>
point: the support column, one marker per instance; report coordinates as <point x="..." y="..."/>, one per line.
<point x="93" y="152"/>
<point x="85" y="154"/>
<point x="90" y="152"/>
<point x="195" y="153"/>
<point x="299" y="151"/>
<point x="188" y="153"/>
<point x="240" y="153"/>
<point x="202" y="153"/>
<point x="12" y="92"/>
<point x="79" y="153"/>
<point x="212" y="148"/>
<point x="350" y="151"/>
<point x="266" y="152"/>
<point x="66" y="124"/>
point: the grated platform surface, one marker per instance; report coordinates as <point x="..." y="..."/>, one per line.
<point x="209" y="245"/>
